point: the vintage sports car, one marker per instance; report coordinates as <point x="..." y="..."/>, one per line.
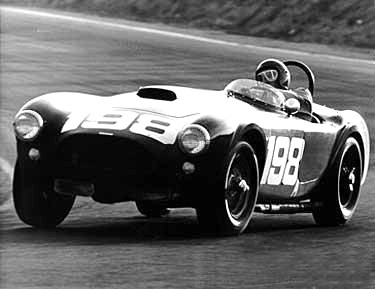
<point x="248" y="148"/>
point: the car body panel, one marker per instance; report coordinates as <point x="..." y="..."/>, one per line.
<point x="152" y="127"/>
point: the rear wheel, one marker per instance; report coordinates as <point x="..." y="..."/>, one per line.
<point x="36" y="202"/>
<point x="151" y="209"/>
<point x="337" y="204"/>
<point x="229" y="208"/>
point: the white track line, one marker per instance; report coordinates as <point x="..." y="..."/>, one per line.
<point x="7" y="168"/>
<point x="77" y="19"/>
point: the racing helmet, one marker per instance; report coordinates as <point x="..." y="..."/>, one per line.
<point x="273" y="72"/>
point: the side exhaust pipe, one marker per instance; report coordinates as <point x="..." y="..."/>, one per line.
<point x="284" y="208"/>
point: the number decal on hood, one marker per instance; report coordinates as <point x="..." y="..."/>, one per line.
<point x="283" y="158"/>
<point x="116" y="120"/>
<point x="156" y="127"/>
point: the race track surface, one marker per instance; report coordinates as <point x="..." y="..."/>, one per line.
<point x="112" y="246"/>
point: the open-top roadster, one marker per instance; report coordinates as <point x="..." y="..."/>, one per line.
<point x="250" y="147"/>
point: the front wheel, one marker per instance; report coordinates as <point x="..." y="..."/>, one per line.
<point x="36" y="202"/>
<point x="337" y="203"/>
<point x="229" y="208"/>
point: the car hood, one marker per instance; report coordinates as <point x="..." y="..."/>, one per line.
<point x="173" y="104"/>
<point x="186" y="101"/>
<point x="171" y="101"/>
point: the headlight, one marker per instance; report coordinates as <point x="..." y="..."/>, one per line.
<point x="27" y="125"/>
<point x="194" y="139"/>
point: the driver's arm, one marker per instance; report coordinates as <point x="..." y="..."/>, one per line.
<point x="305" y="93"/>
<point x="305" y="98"/>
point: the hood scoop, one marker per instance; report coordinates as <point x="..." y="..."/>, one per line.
<point x="157" y="93"/>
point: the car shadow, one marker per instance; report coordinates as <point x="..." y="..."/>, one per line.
<point x="138" y="229"/>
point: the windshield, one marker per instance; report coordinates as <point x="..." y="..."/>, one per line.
<point x="258" y="92"/>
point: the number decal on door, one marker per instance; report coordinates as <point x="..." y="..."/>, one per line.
<point x="283" y="158"/>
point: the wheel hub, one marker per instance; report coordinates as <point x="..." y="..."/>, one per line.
<point x="351" y="178"/>
<point x="242" y="185"/>
<point x="237" y="193"/>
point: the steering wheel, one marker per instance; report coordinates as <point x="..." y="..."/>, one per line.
<point x="306" y="70"/>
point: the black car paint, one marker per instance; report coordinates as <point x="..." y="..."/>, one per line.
<point x="168" y="182"/>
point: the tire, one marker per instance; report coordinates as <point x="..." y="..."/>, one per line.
<point x="342" y="187"/>
<point x="229" y="207"/>
<point x="35" y="201"/>
<point x="151" y="209"/>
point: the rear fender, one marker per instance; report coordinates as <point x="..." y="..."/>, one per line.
<point x="362" y="137"/>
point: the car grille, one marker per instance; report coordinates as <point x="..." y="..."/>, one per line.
<point x="99" y="154"/>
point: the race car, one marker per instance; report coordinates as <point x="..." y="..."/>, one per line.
<point x="255" y="146"/>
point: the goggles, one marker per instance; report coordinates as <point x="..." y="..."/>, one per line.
<point x="269" y="75"/>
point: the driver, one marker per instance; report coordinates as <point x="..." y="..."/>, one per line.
<point x="274" y="72"/>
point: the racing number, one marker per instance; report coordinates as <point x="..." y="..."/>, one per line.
<point x="156" y="127"/>
<point x="117" y="120"/>
<point x="297" y="146"/>
<point x="278" y="161"/>
<point x="283" y="159"/>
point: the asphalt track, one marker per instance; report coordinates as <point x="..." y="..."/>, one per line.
<point x="112" y="246"/>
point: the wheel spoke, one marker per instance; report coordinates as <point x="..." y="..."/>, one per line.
<point x="237" y="191"/>
<point x="348" y="181"/>
<point x="343" y="187"/>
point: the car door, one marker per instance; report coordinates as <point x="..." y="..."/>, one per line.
<point x="297" y="154"/>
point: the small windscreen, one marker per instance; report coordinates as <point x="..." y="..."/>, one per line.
<point x="258" y="92"/>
